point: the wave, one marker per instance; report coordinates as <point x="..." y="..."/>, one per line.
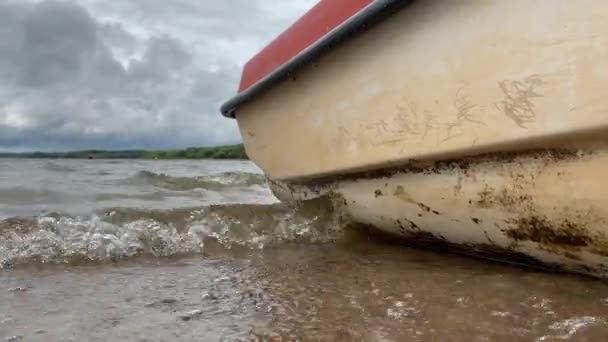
<point x="209" y="182"/>
<point x="57" y="167"/>
<point x="123" y="233"/>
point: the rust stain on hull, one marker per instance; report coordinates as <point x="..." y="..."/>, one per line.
<point x="402" y="195"/>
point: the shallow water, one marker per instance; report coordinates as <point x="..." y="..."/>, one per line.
<point x="201" y="251"/>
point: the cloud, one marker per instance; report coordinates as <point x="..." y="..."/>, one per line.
<point x="127" y="74"/>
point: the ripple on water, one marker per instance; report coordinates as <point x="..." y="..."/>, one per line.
<point x="210" y="182"/>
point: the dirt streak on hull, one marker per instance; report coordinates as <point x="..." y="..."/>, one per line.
<point x="544" y="209"/>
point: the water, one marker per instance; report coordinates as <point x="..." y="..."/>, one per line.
<point x="94" y="250"/>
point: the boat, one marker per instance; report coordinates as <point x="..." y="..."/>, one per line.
<point x="478" y="127"/>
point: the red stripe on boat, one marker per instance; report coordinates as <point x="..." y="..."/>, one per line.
<point x="316" y="23"/>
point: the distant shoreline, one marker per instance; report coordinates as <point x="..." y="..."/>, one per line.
<point x="214" y="152"/>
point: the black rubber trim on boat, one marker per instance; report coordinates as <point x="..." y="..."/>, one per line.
<point x="363" y="20"/>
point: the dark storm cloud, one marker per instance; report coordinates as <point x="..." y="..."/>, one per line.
<point x="126" y="74"/>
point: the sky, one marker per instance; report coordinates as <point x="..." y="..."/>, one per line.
<point x="122" y="74"/>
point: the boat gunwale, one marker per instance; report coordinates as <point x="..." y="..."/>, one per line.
<point x="372" y="14"/>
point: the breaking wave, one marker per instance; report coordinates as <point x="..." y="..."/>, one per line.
<point x="123" y="233"/>
<point x="209" y="182"/>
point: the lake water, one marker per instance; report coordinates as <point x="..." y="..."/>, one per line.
<point x="132" y="250"/>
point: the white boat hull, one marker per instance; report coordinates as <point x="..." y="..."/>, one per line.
<point x="478" y="124"/>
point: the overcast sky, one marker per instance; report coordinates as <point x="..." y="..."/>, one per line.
<point x="112" y="74"/>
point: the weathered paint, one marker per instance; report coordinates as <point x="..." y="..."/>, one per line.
<point x="439" y="79"/>
<point x="541" y="209"/>
<point x="480" y="125"/>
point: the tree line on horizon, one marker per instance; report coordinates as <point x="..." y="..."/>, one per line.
<point x="215" y="152"/>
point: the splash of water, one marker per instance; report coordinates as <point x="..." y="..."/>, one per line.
<point x="570" y="327"/>
<point x="122" y="233"/>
